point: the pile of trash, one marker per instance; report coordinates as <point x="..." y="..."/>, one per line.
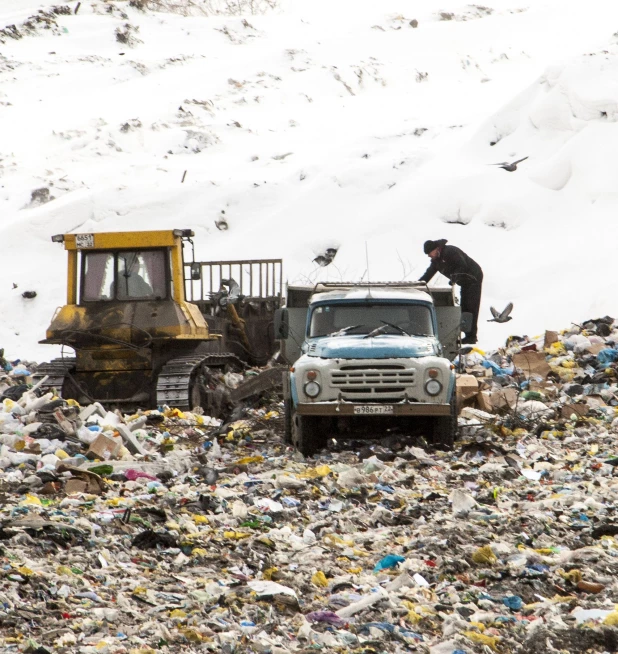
<point x="168" y="531"/>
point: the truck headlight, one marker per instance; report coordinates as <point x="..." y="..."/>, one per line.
<point x="312" y="389"/>
<point x="433" y="387"/>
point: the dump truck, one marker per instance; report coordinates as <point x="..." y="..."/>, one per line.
<point x="367" y="358"/>
<point x="147" y="325"/>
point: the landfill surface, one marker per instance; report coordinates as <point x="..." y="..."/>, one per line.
<point x="165" y="531"/>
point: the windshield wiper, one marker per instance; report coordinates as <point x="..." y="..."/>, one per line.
<point x="345" y="330"/>
<point x="376" y="332"/>
<point x="397" y="327"/>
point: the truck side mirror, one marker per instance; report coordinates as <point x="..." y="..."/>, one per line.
<point x="282" y="324"/>
<point x="466" y="321"/>
<point x="196" y="271"/>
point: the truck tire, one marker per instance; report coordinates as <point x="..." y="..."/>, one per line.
<point x="287" y="421"/>
<point x="308" y="436"/>
<point x="445" y="429"/>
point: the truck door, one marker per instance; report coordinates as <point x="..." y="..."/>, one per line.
<point x="297" y="306"/>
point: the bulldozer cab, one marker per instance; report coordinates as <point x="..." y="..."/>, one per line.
<point x="125" y="266"/>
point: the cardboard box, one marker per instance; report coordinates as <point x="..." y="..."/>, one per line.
<point x="595" y="401"/>
<point x="103" y="448"/>
<point x="578" y="409"/>
<point x="595" y="348"/>
<point x="532" y="364"/>
<point x="497" y="400"/>
<point x="466" y="389"/>
<point x="82" y="481"/>
<point x="550" y="338"/>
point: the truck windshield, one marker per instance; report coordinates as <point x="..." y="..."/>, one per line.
<point x="413" y="318"/>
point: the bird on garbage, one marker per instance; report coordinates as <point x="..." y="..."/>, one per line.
<point x="504" y="316"/>
<point x="509" y="167"/>
<point x="326" y="258"/>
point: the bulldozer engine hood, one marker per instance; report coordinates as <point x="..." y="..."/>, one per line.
<point x="383" y="346"/>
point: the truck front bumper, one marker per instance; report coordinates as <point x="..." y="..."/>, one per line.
<point x="365" y="409"/>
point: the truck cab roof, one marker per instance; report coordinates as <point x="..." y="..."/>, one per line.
<point x="376" y="294"/>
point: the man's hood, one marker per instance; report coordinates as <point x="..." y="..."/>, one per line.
<point x="383" y="346"/>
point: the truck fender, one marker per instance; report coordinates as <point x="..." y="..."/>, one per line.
<point x="451" y="387"/>
<point x="289" y="388"/>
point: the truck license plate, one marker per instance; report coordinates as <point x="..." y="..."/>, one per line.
<point x="374" y="410"/>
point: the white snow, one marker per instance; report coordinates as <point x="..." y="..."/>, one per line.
<point x="319" y="124"/>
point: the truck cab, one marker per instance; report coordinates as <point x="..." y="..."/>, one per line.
<point x="371" y="355"/>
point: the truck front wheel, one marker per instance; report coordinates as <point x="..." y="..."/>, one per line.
<point x="308" y="434"/>
<point x="445" y="429"/>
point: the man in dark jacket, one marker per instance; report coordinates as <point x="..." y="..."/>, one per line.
<point x="460" y="269"/>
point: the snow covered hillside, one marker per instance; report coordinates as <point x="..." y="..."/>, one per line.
<point x="314" y="124"/>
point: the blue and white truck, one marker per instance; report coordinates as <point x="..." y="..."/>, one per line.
<point x="365" y="358"/>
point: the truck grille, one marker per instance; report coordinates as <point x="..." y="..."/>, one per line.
<point x="379" y="382"/>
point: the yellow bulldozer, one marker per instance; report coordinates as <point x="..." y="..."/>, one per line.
<point x="149" y="328"/>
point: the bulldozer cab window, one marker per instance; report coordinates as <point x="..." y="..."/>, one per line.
<point x="124" y="275"/>
<point x="98" y="276"/>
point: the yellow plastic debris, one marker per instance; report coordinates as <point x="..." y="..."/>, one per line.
<point x="198" y="551"/>
<point x="71" y="402"/>
<point x="556" y="349"/>
<point x="334" y="541"/>
<point x="235" y="535"/>
<point x="64" y="570"/>
<point x="25" y="572"/>
<point x="174" y="413"/>
<point x="250" y="459"/>
<point x="484" y="556"/>
<point x="316" y="473"/>
<point x="611" y="620"/>
<point x="479" y="625"/>
<point x="31" y="500"/>
<point x="192" y="635"/>
<point x="199" y="519"/>
<point x="178" y="613"/>
<point x="412" y="616"/>
<point x="355" y="571"/>
<point x="319" y="579"/>
<point x="269" y="572"/>
<point x="574" y="576"/>
<point x="481" y="639"/>
<point x="61" y="454"/>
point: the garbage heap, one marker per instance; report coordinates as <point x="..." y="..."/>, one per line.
<point x="166" y="531"/>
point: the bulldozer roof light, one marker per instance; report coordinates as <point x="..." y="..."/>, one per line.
<point x="58" y="238"/>
<point x="185" y="233"/>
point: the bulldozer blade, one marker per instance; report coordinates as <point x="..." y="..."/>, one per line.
<point x="264" y="381"/>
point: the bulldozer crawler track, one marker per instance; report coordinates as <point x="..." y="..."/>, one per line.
<point x="174" y="382"/>
<point x="57" y="371"/>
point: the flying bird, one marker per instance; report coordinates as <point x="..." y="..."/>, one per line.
<point x="505" y="316"/>
<point x="326" y="258"/>
<point x="510" y="167"/>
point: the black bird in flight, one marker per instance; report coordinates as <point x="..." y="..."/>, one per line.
<point x="510" y="167"/>
<point x="326" y="258"/>
<point x="505" y="316"/>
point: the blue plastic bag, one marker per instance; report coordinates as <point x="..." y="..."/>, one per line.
<point x="389" y="561"/>
<point x="609" y="355"/>
<point x="513" y="602"/>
